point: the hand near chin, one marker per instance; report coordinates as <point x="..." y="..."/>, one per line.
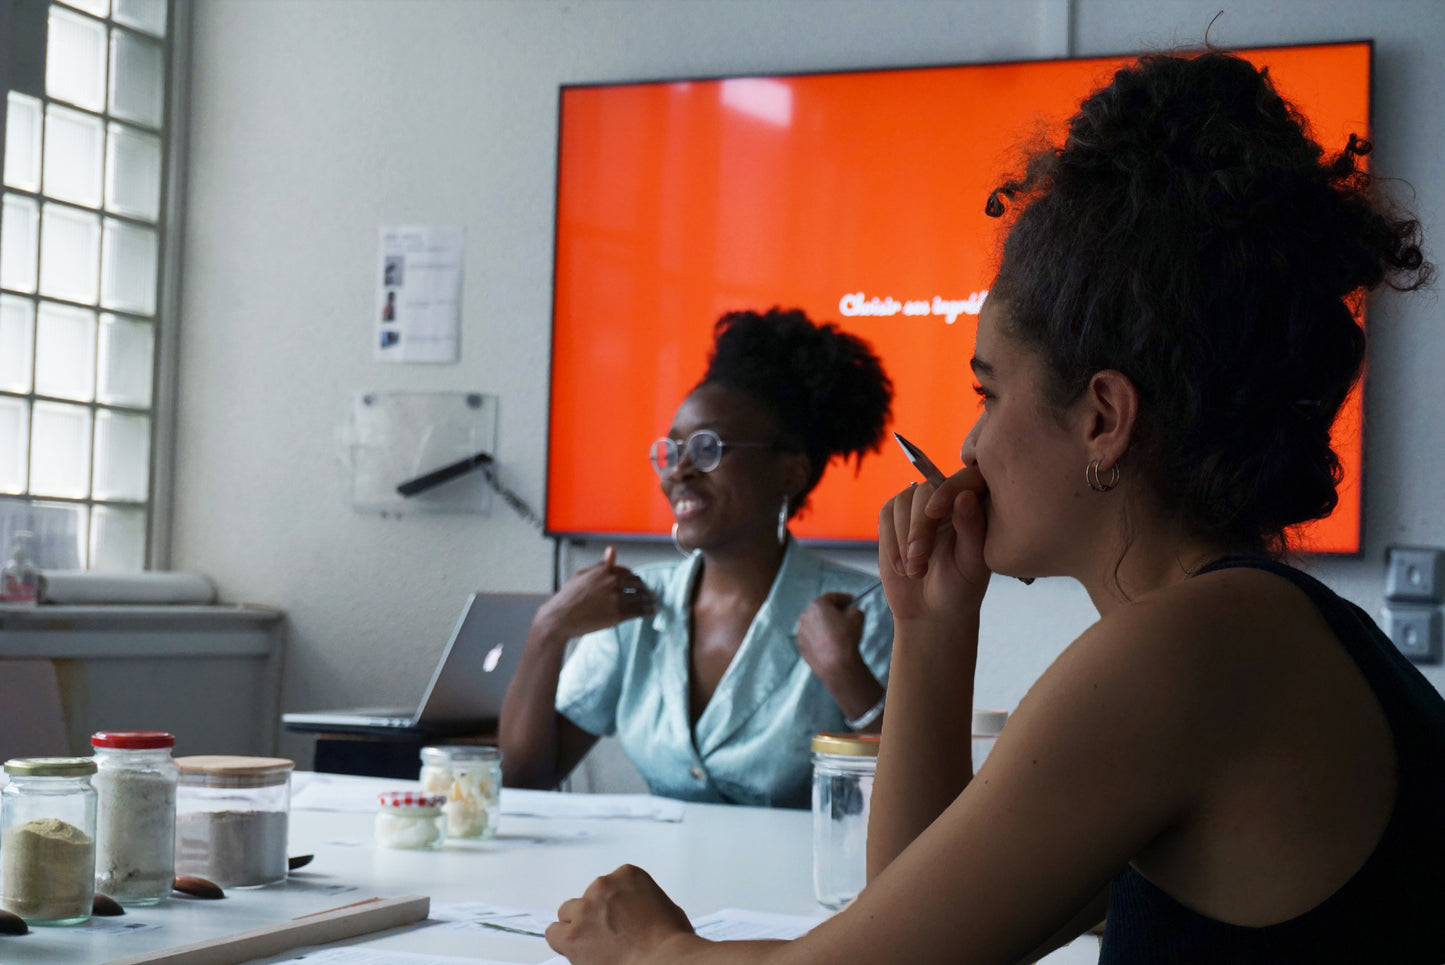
<point x="930" y="547"/>
<point x="621" y="919"/>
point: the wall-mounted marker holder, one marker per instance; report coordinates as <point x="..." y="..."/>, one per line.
<point x="421" y="452"/>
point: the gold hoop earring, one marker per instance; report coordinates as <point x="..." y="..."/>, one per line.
<point x="1091" y="476"/>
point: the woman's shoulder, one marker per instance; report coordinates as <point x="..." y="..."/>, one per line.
<point x="1220" y="611"/>
<point x="1160" y="692"/>
<point x="1211" y="649"/>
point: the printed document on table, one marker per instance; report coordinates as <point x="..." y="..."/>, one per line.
<point x="357" y="955"/>
<point x="554" y="804"/>
<point x="314" y="791"/>
<point x="325" y="792"/>
<point x="463" y="916"/>
<point x="419" y="294"/>
<point x="740" y="924"/>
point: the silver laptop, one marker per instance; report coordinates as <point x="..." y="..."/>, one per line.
<point x="470" y="680"/>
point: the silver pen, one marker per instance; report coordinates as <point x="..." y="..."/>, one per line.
<point x="921" y="462"/>
<point x="933" y="474"/>
<point x="870" y="588"/>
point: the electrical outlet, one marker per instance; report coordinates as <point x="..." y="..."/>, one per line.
<point x="1415" y="631"/>
<point x="1415" y="575"/>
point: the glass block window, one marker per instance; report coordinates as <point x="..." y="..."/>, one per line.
<point x="82" y="229"/>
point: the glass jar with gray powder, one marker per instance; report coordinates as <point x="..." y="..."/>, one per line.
<point x="47" y="840"/>
<point x="135" y="841"/>
<point x="231" y="819"/>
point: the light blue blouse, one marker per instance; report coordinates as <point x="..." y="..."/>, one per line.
<point x="752" y="744"/>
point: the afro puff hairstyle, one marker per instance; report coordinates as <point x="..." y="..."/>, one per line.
<point x="825" y="387"/>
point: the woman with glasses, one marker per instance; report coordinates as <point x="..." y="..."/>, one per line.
<point x="1233" y="760"/>
<point x="716" y="671"/>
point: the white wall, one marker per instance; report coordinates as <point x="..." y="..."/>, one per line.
<point x="313" y="122"/>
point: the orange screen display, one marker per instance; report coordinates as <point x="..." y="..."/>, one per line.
<point x="857" y="197"/>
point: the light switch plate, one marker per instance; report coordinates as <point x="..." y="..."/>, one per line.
<point x="1415" y="631"/>
<point x="1415" y="574"/>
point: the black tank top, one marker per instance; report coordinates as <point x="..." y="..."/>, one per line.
<point x="1393" y="908"/>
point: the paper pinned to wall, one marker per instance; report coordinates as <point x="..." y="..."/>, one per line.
<point x="419" y="293"/>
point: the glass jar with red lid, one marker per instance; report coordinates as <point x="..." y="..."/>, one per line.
<point x="135" y="783"/>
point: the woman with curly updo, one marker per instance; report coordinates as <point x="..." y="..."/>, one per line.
<point x="1233" y="764"/>
<point x="716" y="672"/>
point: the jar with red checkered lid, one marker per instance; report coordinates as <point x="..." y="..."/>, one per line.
<point x="411" y="820"/>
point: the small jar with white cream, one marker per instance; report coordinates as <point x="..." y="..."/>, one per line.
<point x="410" y="820"/>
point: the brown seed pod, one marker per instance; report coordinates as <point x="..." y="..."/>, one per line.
<point x="105" y="906"/>
<point x="11" y="924"/>
<point x="298" y="861"/>
<point x="198" y="887"/>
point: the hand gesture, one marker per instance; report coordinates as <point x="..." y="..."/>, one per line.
<point x="829" y="632"/>
<point x="596" y="597"/>
<point x="930" y="548"/>
<point x="621" y="918"/>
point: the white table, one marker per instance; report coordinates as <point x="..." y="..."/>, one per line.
<point x="716" y="857"/>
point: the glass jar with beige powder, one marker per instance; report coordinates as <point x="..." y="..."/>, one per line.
<point x="47" y="840"/>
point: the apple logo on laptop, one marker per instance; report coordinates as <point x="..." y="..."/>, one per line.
<point x="493" y="657"/>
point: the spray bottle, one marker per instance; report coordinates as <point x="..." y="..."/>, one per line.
<point x="20" y="577"/>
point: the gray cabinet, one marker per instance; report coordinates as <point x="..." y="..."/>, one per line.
<point x="211" y="675"/>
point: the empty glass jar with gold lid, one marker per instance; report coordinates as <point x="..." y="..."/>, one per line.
<point x="843" y="766"/>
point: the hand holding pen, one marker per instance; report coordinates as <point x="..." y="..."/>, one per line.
<point x="932" y="474"/>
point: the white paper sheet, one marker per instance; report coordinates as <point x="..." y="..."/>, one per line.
<point x="119" y="926"/>
<point x="357" y="955"/>
<point x="463" y="916"/>
<point x="552" y="804"/>
<point x="740" y="924"/>
<point x="729" y="924"/>
<point x="311" y="791"/>
<point x="419" y="293"/>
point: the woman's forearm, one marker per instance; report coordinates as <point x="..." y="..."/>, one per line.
<point x="925" y="760"/>
<point x="855" y="689"/>
<point x="528" y="730"/>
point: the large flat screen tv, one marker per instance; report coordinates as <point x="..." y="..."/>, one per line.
<point x="857" y="196"/>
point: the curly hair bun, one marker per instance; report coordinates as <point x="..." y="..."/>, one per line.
<point x="826" y="387"/>
<point x="1192" y="235"/>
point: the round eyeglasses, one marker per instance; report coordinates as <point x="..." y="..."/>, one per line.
<point x="704" y="449"/>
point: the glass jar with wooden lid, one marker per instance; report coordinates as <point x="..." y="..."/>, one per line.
<point x="232" y="816"/>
